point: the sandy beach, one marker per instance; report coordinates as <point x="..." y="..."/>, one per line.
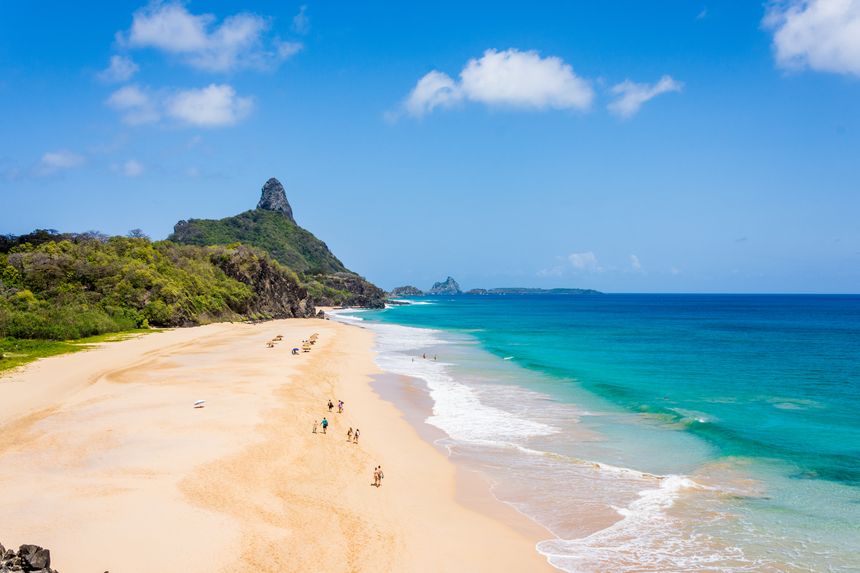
<point x="105" y="461"/>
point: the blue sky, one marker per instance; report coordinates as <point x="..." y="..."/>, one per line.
<point x="627" y="146"/>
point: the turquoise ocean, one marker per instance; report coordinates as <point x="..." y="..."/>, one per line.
<point x="714" y="433"/>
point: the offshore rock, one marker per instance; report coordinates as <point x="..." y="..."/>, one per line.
<point x="449" y="286"/>
<point x="274" y="198"/>
<point x="407" y="290"/>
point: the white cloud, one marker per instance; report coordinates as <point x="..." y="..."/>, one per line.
<point x="212" y="106"/>
<point x="132" y="168"/>
<point x="509" y="78"/>
<point x="238" y="42"/>
<point x="301" y="22"/>
<point x="524" y="79"/>
<point x="433" y="90"/>
<point x="120" y="69"/>
<point x="584" y="262"/>
<point x="54" y="161"/>
<point x="136" y="105"/>
<point x="631" y="95"/>
<point x="215" y="105"/>
<point x="822" y="35"/>
<point x="635" y="264"/>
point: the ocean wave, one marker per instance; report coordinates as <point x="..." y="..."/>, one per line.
<point x="457" y="408"/>
<point x="648" y="538"/>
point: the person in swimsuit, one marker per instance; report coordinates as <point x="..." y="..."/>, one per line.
<point x="349" y="435"/>
<point x="355" y="437"/>
<point x="315" y="426"/>
<point x="330" y="405"/>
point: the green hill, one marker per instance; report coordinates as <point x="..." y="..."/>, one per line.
<point x="285" y="241"/>
<point x="272" y="228"/>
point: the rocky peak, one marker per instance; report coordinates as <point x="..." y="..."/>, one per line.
<point x="274" y="198"/>
<point x="449" y="286"/>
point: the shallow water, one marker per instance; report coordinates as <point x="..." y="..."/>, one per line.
<point x="652" y="432"/>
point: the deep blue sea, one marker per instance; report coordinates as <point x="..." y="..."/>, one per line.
<point x="652" y="432"/>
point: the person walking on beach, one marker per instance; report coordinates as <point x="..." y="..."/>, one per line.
<point x="324" y="425"/>
<point x="379" y="476"/>
<point x="376" y="476"/>
<point x="355" y="437"/>
<point x="315" y="426"/>
<point x="330" y="405"/>
<point x="349" y="435"/>
<point x="340" y="406"/>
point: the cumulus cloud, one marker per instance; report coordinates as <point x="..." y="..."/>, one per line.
<point x="136" y="105"/>
<point x="433" y="90"/>
<point x="822" y="35"/>
<point x="635" y="264"/>
<point x="631" y="95"/>
<point x="215" y="105"/>
<point x="586" y="262"/>
<point x="54" y="161"/>
<point x="239" y="41"/>
<point x="212" y="106"/>
<point x="510" y="79"/>
<point x="120" y="69"/>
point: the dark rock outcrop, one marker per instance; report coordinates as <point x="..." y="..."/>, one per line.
<point x="277" y="291"/>
<point x="29" y="559"/>
<point x="353" y="291"/>
<point x="408" y="290"/>
<point x="274" y="198"/>
<point x="449" y="286"/>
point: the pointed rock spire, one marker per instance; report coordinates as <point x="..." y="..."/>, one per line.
<point x="274" y="198"/>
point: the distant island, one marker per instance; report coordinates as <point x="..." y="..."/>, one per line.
<point x="524" y="290"/>
<point x="450" y="287"/>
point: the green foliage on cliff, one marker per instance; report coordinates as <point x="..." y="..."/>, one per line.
<point x="81" y="285"/>
<point x="286" y="242"/>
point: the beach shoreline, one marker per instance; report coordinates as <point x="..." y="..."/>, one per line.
<point x="124" y="474"/>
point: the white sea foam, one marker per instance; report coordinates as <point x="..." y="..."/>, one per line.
<point x="457" y="408"/>
<point x="647" y="538"/>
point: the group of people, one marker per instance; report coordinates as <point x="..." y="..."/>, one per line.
<point x="377" y="476"/>
<point x="351" y="436"/>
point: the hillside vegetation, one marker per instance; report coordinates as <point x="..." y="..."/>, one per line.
<point x="71" y="286"/>
<point x="285" y="241"/>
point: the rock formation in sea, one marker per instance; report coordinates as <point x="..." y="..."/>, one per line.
<point x="407" y="290"/>
<point x="448" y="286"/>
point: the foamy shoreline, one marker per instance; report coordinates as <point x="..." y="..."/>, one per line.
<point x="105" y="461"/>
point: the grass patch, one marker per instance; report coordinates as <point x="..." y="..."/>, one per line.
<point x="19" y="351"/>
